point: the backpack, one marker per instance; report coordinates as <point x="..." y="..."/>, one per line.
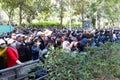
<point x="24" y="52"/>
<point x="3" y="56"/>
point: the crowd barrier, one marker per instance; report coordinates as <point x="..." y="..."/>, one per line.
<point x="18" y="72"/>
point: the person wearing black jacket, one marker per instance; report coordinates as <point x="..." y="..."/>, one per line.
<point x="23" y="49"/>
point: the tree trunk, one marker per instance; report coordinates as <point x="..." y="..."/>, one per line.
<point x="9" y="19"/>
<point x="20" y="13"/>
<point x="61" y="14"/>
<point x="28" y="19"/>
<point x="112" y="23"/>
<point x="61" y="21"/>
<point x="10" y="15"/>
<point x="96" y="21"/>
<point x="99" y="24"/>
<point x="118" y="23"/>
<point x="82" y="14"/>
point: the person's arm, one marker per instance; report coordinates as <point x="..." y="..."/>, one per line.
<point x="71" y="45"/>
<point x="18" y="62"/>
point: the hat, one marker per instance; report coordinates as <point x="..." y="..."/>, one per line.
<point x="2" y="41"/>
<point x="47" y="32"/>
<point x="40" y="33"/>
<point x="6" y="39"/>
<point x="18" y="35"/>
<point x="10" y="41"/>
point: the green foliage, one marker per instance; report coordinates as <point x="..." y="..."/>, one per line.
<point x="76" y="24"/>
<point x="97" y="64"/>
<point x="51" y="24"/>
<point x="100" y="12"/>
<point x="45" y="24"/>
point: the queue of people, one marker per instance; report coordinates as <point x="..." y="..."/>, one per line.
<point x="31" y="44"/>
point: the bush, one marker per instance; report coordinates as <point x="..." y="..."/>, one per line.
<point x="76" y="24"/>
<point x="45" y="24"/>
<point x="51" y="24"/>
<point x="98" y="64"/>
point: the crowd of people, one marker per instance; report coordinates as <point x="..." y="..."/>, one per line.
<point x="23" y="45"/>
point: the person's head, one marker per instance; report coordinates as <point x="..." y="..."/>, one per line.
<point x="36" y="42"/>
<point x="19" y="37"/>
<point x="41" y="34"/>
<point x="53" y="37"/>
<point x="11" y="42"/>
<point x="48" y="32"/>
<point x="25" y="37"/>
<point x="78" y="45"/>
<point x="67" y="39"/>
<point x="13" y="36"/>
<point x="114" y="32"/>
<point x="85" y="35"/>
<point x="31" y="37"/>
<point x="91" y="36"/>
<point x="58" y="42"/>
<point x="2" y="43"/>
<point x="101" y="31"/>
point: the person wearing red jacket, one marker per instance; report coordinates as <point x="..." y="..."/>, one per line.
<point x="12" y="54"/>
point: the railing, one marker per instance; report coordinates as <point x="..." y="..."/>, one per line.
<point x="18" y="72"/>
<point x="18" y="66"/>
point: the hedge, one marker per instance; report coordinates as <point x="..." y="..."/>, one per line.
<point x="97" y="64"/>
<point x="44" y="24"/>
<point x="51" y="24"/>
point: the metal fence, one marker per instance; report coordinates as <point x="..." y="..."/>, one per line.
<point x="18" y="72"/>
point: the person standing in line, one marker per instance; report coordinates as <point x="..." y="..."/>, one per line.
<point x="12" y="54"/>
<point x="3" y="56"/>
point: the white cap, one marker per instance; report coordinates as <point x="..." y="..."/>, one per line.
<point x="10" y="41"/>
<point x="2" y="41"/>
<point x="48" y="32"/>
<point x="6" y="39"/>
<point x="40" y="33"/>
